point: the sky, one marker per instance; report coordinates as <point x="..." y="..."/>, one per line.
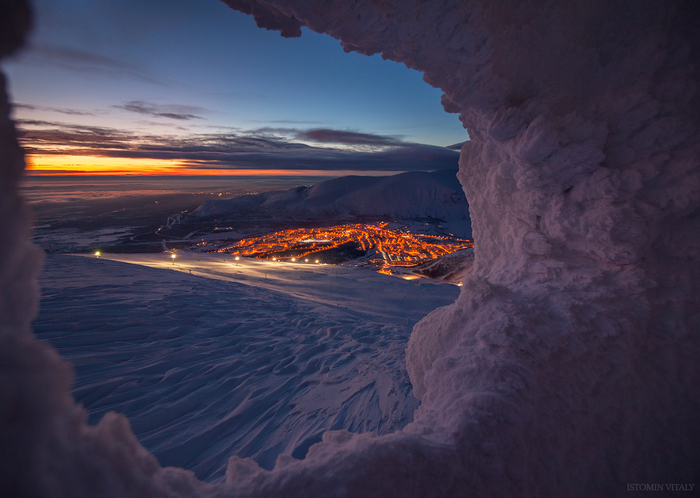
<point x="193" y="87"/>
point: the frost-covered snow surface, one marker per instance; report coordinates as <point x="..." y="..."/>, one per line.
<point x="251" y="358"/>
<point x="568" y="365"/>
<point x="436" y="194"/>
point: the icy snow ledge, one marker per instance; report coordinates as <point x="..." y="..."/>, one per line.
<point x="568" y="366"/>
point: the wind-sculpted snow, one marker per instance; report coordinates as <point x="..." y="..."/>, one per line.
<point x="568" y="365"/>
<point x="254" y="359"/>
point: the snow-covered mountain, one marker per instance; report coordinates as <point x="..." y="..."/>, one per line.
<point x="410" y="195"/>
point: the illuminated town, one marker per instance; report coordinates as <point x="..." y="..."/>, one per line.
<point x="376" y="244"/>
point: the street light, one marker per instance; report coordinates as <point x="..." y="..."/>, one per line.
<point x="173" y="258"/>
<point x="97" y="253"/>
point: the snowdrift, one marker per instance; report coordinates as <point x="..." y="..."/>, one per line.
<point x="411" y="195"/>
<point x="567" y="366"/>
<point x="207" y="358"/>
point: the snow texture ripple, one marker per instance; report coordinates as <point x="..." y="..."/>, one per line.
<point x="210" y="363"/>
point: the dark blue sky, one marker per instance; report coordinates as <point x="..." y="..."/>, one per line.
<point x="181" y="70"/>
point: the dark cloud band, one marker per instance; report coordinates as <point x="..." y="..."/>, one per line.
<point x="179" y="112"/>
<point x="256" y="149"/>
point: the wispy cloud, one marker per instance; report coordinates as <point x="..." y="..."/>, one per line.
<point x="170" y="111"/>
<point x="289" y="121"/>
<point x="87" y="62"/>
<point x="338" y="137"/>
<point x="61" y="110"/>
<point x="163" y="124"/>
<point x="254" y="149"/>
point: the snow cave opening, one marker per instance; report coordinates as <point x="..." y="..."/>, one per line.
<point x="567" y="366"/>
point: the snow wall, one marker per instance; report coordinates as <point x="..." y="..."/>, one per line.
<point x="569" y="364"/>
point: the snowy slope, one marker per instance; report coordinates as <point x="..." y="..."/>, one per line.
<point x="435" y="194"/>
<point x="249" y="359"/>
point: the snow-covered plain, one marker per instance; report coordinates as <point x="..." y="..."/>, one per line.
<point x="210" y="357"/>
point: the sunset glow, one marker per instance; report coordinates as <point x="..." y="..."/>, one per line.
<point x="95" y="165"/>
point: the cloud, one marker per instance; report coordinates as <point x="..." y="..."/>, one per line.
<point x="292" y="121"/>
<point x="179" y="112"/>
<point x="255" y="149"/>
<point x="340" y="137"/>
<point x="87" y="62"/>
<point x="326" y="135"/>
<point x="166" y="124"/>
<point x="66" y="54"/>
<point x="61" y="110"/>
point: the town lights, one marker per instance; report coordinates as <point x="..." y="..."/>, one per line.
<point x="396" y="247"/>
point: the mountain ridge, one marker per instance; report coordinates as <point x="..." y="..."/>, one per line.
<point x="412" y="195"/>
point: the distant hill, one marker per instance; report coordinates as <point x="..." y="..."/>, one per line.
<point x="413" y="195"/>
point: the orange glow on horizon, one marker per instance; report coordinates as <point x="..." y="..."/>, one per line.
<point x="40" y="165"/>
<point x="94" y="165"/>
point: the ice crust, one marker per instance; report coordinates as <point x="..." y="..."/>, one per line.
<point x="568" y="365"/>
